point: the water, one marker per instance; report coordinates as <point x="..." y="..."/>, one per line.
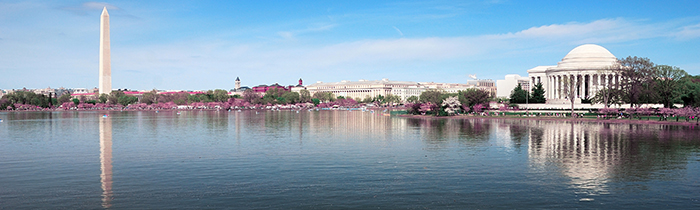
<point x="340" y="160"/>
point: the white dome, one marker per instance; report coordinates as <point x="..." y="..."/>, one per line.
<point x="587" y="56"/>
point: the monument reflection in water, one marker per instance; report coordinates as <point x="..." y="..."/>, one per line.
<point x="592" y="155"/>
<point x="106" y="160"/>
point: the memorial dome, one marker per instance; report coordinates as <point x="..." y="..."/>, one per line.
<point x="587" y="56"/>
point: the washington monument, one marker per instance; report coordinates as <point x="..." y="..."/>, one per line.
<point x="105" y="63"/>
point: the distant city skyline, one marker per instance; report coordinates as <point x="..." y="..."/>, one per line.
<point x="201" y="45"/>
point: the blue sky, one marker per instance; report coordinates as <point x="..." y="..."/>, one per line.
<point x="201" y="45"/>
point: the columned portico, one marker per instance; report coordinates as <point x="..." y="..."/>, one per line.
<point x="587" y="65"/>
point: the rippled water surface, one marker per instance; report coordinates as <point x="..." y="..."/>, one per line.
<point x="340" y="160"/>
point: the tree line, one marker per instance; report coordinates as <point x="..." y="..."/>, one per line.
<point x="441" y="103"/>
<point x="24" y="100"/>
<point x="641" y="82"/>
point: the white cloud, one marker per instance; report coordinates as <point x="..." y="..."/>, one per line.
<point x="599" y="31"/>
<point x="286" y="34"/>
<point x="99" y="5"/>
<point x="397" y="30"/>
<point x="569" y="29"/>
<point x="289" y="35"/>
<point x="88" y="7"/>
<point x="689" y="32"/>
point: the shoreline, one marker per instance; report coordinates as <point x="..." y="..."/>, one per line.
<point x="615" y="121"/>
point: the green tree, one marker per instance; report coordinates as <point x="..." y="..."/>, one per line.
<point x="272" y="94"/>
<point x="291" y="97"/>
<point x="4" y="103"/>
<point x="324" y="96"/>
<point x="64" y="98"/>
<point x="206" y="97"/>
<point x="474" y="96"/>
<point x="392" y="99"/>
<point x="179" y="98"/>
<point x="114" y="96"/>
<point x="518" y="95"/>
<point x="76" y="101"/>
<point x="636" y="76"/>
<point x="103" y="98"/>
<point x="432" y="96"/>
<point x="304" y="96"/>
<point x="149" y="97"/>
<point x="281" y="100"/>
<point x="367" y="99"/>
<point x="412" y="99"/>
<point x="194" y="98"/>
<point x="537" y="95"/>
<point x="220" y="95"/>
<point x="316" y="101"/>
<point x="690" y="90"/>
<point x="250" y="96"/>
<point x="26" y="97"/>
<point x="125" y="100"/>
<point x="668" y="83"/>
<point x="379" y="99"/>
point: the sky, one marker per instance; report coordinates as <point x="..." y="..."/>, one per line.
<point x="203" y="45"/>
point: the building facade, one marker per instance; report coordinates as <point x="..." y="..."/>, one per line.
<point x="263" y="88"/>
<point x="587" y="65"/>
<point x="364" y="88"/>
<point x="511" y="81"/>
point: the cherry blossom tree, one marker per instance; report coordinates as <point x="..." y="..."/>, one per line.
<point x="665" y="113"/>
<point x="608" y="112"/>
<point x="427" y="107"/>
<point x="478" y="108"/>
<point x="452" y="105"/>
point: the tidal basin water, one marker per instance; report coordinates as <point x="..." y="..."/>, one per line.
<point x="340" y="160"/>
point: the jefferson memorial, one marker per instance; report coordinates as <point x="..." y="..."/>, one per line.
<point x="588" y="64"/>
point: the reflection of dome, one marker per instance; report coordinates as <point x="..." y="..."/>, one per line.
<point x="587" y="56"/>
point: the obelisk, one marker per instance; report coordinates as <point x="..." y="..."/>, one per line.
<point x="105" y="62"/>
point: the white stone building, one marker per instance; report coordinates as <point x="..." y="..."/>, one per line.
<point x="363" y="88"/>
<point x="504" y="87"/>
<point x="588" y="64"/>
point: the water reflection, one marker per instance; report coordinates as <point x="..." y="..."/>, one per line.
<point x="590" y="155"/>
<point x="593" y="155"/>
<point x="325" y="125"/>
<point x="438" y="133"/>
<point x="106" y="160"/>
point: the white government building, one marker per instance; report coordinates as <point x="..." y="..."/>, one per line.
<point x="588" y="64"/>
<point x="368" y="88"/>
<point x="509" y="83"/>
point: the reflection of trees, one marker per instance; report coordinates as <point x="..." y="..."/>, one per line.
<point x="442" y="131"/>
<point x="216" y="120"/>
<point x="594" y="154"/>
<point x="356" y="125"/>
<point x="475" y="129"/>
<point x="518" y="132"/>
